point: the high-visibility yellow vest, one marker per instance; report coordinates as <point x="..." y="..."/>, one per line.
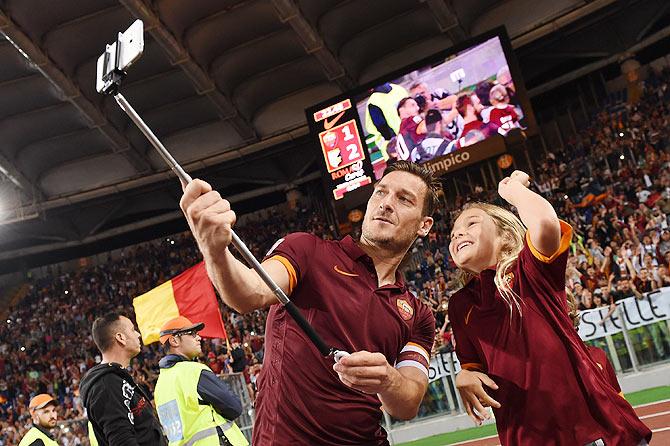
<point x="91" y="435"/>
<point x="185" y="421"/>
<point x="388" y="103"/>
<point x="34" y="434"/>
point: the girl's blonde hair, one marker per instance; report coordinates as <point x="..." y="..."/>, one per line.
<point x="512" y="232"/>
<point x="573" y="309"/>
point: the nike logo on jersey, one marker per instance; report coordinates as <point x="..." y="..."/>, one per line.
<point x="467" y="316"/>
<point x="329" y="124"/>
<point x="344" y="273"/>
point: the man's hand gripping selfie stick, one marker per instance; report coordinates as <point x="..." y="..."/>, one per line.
<point x="109" y="81"/>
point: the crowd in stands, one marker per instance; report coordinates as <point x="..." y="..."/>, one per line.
<point x="46" y="344"/>
<point x="611" y="183"/>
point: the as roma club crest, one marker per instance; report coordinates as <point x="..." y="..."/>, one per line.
<point x="405" y="309"/>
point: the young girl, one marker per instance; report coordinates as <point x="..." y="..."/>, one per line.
<point x="510" y="321"/>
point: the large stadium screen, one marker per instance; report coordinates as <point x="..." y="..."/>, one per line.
<point x="450" y="110"/>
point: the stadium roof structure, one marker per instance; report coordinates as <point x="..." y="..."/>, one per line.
<point x="224" y="84"/>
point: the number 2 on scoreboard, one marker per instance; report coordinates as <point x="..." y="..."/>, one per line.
<point x="353" y="151"/>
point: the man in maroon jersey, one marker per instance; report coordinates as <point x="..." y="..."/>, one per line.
<point x="353" y="295"/>
<point x="474" y="130"/>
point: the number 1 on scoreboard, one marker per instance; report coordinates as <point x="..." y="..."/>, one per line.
<point x="341" y="146"/>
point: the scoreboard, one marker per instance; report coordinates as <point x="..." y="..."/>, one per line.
<point x="477" y="90"/>
<point x="344" y="154"/>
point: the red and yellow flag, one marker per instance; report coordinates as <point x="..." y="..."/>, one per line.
<point x="190" y="294"/>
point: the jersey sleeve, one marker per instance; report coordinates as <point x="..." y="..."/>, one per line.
<point x="548" y="270"/>
<point x="465" y="350"/>
<point x="486" y="114"/>
<point x="416" y="353"/>
<point x="515" y="115"/>
<point x="294" y="252"/>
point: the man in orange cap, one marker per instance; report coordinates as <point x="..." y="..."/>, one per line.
<point x="193" y="404"/>
<point x="43" y="412"/>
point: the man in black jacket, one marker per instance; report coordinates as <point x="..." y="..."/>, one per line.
<point x="119" y="410"/>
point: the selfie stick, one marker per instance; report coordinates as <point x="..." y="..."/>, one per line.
<point x="185" y="179"/>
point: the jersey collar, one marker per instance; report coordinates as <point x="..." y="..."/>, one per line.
<point x="355" y="252"/>
<point x="352" y="249"/>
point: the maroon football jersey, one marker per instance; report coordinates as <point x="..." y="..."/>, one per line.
<point x="474" y="132"/>
<point x="505" y="118"/>
<point x="301" y="401"/>
<point x="600" y="358"/>
<point x="551" y="391"/>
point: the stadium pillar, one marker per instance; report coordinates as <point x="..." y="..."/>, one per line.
<point x="629" y="343"/>
<point x="613" y="355"/>
<point x="558" y="129"/>
<point x="483" y="174"/>
<point x="572" y="120"/>
<point x="580" y="96"/>
<point x="494" y="180"/>
<point x="389" y="427"/>
<point x="458" y="192"/>
<point x="593" y="92"/>
<point x="450" y="397"/>
<point x="467" y="175"/>
<point x="543" y="142"/>
<point x="530" y="164"/>
<point x="452" y="372"/>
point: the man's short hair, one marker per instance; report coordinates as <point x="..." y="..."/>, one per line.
<point x="417" y="85"/>
<point x="433" y="185"/>
<point x="483" y="91"/>
<point x="433" y="116"/>
<point x="402" y="102"/>
<point x="464" y="101"/>
<point x="103" y="331"/>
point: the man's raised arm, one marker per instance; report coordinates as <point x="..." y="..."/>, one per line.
<point x="211" y="220"/>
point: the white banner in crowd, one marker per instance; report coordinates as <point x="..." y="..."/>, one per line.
<point x="440" y="365"/>
<point x="652" y="308"/>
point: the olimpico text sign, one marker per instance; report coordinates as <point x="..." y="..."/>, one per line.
<point x="464" y="157"/>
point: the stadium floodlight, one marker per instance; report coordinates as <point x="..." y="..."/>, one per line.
<point x="111" y="70"/>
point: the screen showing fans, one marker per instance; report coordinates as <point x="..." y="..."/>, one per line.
<point x="442" y="108"/>
<point x="437" y="112"/>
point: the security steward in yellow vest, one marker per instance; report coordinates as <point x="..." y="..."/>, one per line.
<point x="382" y="121"/>
<point x="42" y="409"/>
<point x="194" y="406"/>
